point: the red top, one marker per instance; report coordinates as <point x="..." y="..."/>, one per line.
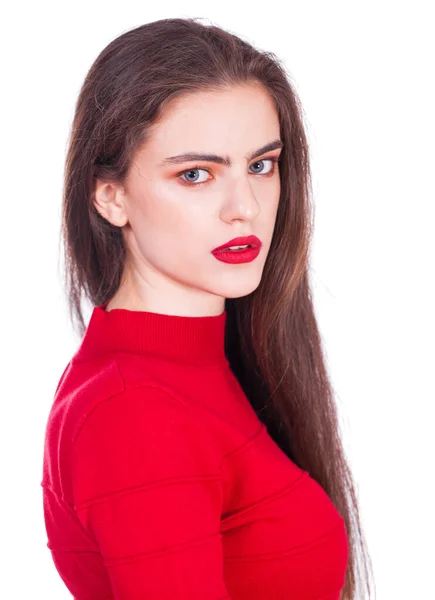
<point x="160" y="481"/>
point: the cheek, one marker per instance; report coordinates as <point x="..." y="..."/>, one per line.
<point x="275" y="196"/>
<point x="168" y="233"/>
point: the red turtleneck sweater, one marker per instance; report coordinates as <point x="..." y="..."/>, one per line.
<point x="160" y="481"/>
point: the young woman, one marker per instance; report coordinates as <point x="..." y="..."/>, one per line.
<point x="193" y="448"/>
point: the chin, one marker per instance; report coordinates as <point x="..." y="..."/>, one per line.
<point x="238" y="291"/>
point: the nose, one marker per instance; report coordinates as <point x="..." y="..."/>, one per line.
<point x="241" y="203"/>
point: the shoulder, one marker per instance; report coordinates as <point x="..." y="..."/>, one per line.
<point x="141" y="435"/>
<point x="144" y="407"/>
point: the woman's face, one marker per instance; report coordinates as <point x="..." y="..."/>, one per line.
<point x="173" y="213"/>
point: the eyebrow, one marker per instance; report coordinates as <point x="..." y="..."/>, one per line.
<point x="222" y="160"/>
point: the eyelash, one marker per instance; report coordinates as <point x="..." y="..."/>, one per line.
<point x="199" y="168"/>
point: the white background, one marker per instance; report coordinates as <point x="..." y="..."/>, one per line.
<point x="365" y="74"/>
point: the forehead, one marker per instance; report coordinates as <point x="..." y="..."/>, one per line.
<point x="242" y="117"/>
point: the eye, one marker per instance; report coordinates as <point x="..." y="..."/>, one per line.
<point x="262" y="161"/>
<point x="191" y="175"/>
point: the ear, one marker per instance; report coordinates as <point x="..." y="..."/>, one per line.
<point x="110" y="202"/>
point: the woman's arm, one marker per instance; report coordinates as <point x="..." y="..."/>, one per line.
<point x="147" y="487"/>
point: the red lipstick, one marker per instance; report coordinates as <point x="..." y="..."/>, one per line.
<point x="251" y="240"/>
<point x="225" y="254"/>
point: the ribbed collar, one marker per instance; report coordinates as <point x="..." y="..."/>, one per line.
<point x="199" y="340"/>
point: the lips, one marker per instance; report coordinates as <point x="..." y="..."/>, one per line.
<point x="252" y="240"/>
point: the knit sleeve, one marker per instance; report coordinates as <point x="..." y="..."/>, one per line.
<point x="147" y="488"/>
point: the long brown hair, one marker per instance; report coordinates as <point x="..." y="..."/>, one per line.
<point x="272" y="340"/>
